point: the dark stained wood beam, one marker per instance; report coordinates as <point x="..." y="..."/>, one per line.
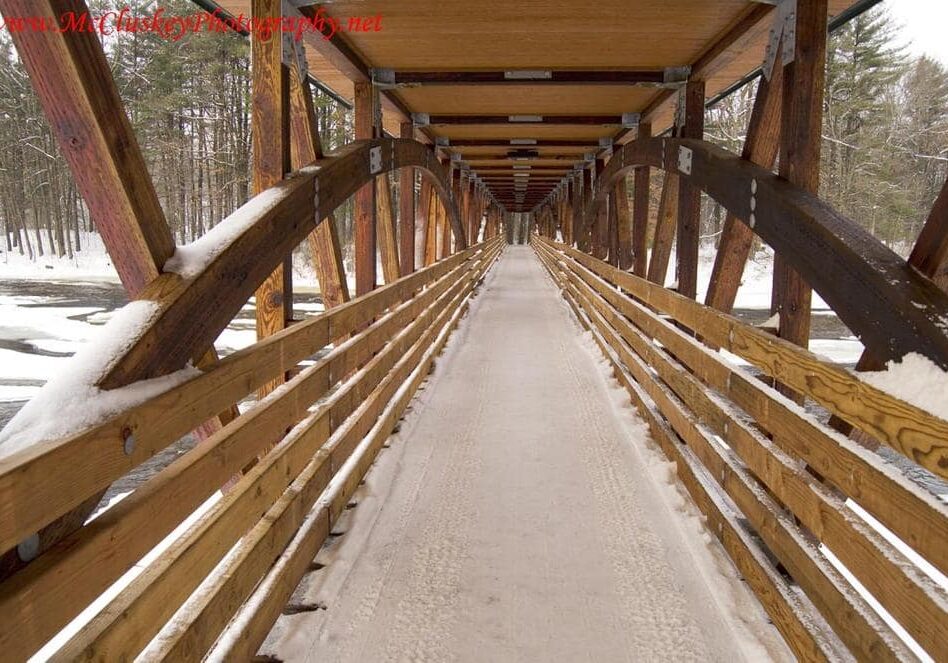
<point x="526" y="120"/>
<point x="518" y="143"/>
<point x="530" y="168"/>
<point x="886" y="302"/>
<point x="525" y="77"/>
<point x="74" y="85"/>
<point x="689" y="198"/>
<point x="760" y="147"/>
<point x="406" y="210"/>
<point x="365" y="111"/>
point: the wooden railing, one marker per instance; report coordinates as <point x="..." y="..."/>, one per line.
<point x="327" y="424"/>
<point x="778" y="487"/>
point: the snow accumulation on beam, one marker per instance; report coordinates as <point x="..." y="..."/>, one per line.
<point x="191" y="259"/>
<point x="71" y="402"/>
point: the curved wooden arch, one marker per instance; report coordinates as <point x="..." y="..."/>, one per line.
<point x="892" y="308"/>
<point x="194" y="311"/>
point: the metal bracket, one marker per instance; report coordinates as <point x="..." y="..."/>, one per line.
<point x="524" y="118"/>
<point x="523" y="141"/>
<point x="605" y="143"/>
<point x="420" y="119"/>
<point x="381" y="76"/>
<point x="630" y="120"/>
<point x="676" y="75"/>
<point x="441" y="141"/>
<point x="316" y="197"/>
<point x="785" y="27"/>
<point x="375" y="159"/>
<point x="684" y="160"/>
<point x="528" y="75"/>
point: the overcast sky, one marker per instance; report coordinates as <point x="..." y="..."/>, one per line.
<point x="924" y="26"/>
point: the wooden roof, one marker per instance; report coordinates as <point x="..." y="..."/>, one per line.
<point x="720" y="40"/>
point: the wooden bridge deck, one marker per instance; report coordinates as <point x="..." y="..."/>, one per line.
<point x="520" y="514"/>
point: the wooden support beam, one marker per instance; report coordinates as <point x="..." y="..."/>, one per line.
<point x="623" y="214"/>
<point x="642" y="183"/>
<point x="526" y="120"/>
<point x="665" y="226"/>
<point x="366" y="111"/>
<point x="271" y="159"/>
<point x="689" y="198"/>
<point x="513" y="77"/>
<point x="800" y="142"/>
<point x="421" y="221"/>
<point x="306" y="147"/>
<point x="406" y="210"/>
<point x="600" y="228"/>
<point x="887" y="303"/>
<point x="385" y="215"/>
<point x="431" y="239"/>
<point x="587" y="221"/>
<point x="74" y="85"/>
<point x="760" y="147"/>
<point x="521" y="143"/>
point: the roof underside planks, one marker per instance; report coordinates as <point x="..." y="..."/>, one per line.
<point x="721" y="40"/>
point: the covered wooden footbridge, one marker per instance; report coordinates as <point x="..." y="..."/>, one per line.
<point x="546" y="117"/>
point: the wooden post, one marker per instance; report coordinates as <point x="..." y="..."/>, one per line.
<point x="665" y="225"/>
<point x="800" y="138"/>
<point x="270" y="122"/>
<point x="406" y="210"/>
<point x="689" y="198"/>
<point x="431" y="238"/>
<point x="587" y="224"/>
<point x="623" y="216"/>
<point x="421" y="220"/>
<point x="385" y="230"/>
<point x="640" y="211"/>
<point x="365" y="111"/>
<point x="760" y="147"/>
<point x="612" y="230"/>
<point x="306" y="147"/>
<point x="601" y="228"/>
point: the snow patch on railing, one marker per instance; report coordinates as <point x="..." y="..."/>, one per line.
<point x="71" y="402"/>
<point x="916" y="380"/>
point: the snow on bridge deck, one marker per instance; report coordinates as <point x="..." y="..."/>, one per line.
<point x="522" y="514"/>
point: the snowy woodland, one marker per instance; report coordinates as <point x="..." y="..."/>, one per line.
<point x="885" y="132"/>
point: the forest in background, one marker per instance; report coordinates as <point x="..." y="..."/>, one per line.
<point x="885" y="131"/>
<point x="885" y="150"/>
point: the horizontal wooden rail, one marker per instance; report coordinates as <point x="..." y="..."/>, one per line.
<point x="243" y="572"/>
<point x="887" y="303"/>
<point x="675" y="371"/>
<point x="804" y="629"/>
<point x="44" y="481"/>
<point x="46" y="594"/>
<point x="129" y="622"/>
